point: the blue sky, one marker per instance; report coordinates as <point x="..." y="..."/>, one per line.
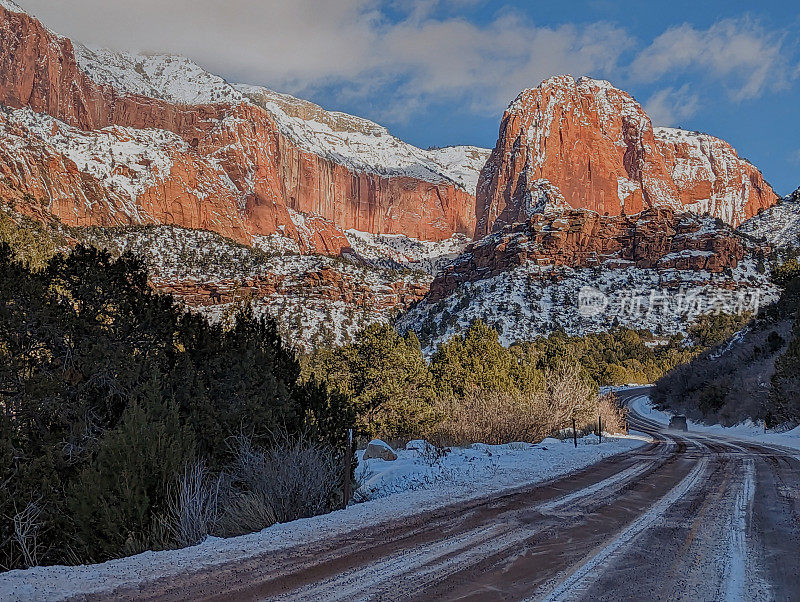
<point x="440" y="72"/>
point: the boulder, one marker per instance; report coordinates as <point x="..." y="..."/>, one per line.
<point x="379" y="449"/>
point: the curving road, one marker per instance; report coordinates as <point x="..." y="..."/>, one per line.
<point x="690" y="517"/>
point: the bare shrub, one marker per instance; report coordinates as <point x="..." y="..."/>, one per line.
<point x="497" y="417"/>
<point x="195" y="505"/>
<point x="296" y="477"/>
<point x="244" y="512"/>
<point x="431" y="454"/>
<point x="26" y="531"/>
<point x="613" y="415"/>
<point x="568" y="395"/>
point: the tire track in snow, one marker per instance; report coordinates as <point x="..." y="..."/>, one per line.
<point x="575" y="585"/>
<point x="741" y="579"/>
<point x="437" y="560"/>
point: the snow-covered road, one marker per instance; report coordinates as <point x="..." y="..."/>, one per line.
<point x="693" y="516"/>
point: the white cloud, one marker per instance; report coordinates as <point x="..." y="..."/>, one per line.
<point x="350" y="45"/>
<point x="669" y="106"/>
<point x="287" y="44"/>
<point x="426" y="53"/>
<point x="746" y="58"/>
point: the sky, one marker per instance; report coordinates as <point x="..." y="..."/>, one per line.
<point x="441" y="72"/>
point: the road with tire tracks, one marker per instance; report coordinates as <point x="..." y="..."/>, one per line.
<point x="688" y="517"/>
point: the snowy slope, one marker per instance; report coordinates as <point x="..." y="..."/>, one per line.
<point x="359" y="144"/>
<point x="778" y="225"/>
<point x="463" y="163"/>
<point x="11" y="6"/>
<point x="363" y="145"/>
<point x="127" y="160"/>
<point x="402" y="252"/>
<point x="405" y="487"/>
<point x="168" y="77"/>
<point x="532" y="300"/>
<point x="188" y="263"/>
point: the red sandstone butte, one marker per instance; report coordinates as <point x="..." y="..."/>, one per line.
<point x="587" y="145"/>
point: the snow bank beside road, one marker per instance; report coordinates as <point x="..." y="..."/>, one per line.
<point x="413" y="483"/>
<point x="747" y="431"/>
<point x="463" y="473"/>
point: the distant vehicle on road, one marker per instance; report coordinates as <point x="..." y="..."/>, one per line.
<point x="678" y="423"/>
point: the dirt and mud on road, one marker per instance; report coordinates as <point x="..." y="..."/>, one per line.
<point x="690" y="517"/>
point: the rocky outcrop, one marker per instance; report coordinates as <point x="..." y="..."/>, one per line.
<point x="324" y="285"/>
<point x="587" y="145"/>
<point x="653" y="239"/>
<point x="711" y="178"/>
<point x="238" y="170"/>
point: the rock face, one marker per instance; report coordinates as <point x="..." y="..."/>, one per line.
<point x="653" y="239"/>
<point x="579" y="272"/>
<point x="587" y="145"/>
<point x="231" y="166"/>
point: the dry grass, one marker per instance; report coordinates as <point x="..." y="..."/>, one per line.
<point x="614" y="416"/>
<point x="496" y="417"/>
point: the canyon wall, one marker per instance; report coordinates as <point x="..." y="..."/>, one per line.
<point x="236" y="172"/>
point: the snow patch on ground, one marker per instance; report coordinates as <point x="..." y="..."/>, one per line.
<point x="496" y="467"/>
<point x="406" y="487"/>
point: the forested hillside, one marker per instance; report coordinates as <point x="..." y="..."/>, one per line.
<point x="108" y="392"/>
<point x="753" y="374"/>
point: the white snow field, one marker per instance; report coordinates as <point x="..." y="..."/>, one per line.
<point x="411" y="484"/>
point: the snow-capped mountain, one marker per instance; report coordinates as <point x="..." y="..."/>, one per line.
<point x="101" y="138"/>
<point x="242" y="161"/>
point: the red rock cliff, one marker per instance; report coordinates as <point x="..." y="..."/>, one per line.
<point x="656" y="238"/>
<point x="586" y="145"/>
<point x="236" y="174"/>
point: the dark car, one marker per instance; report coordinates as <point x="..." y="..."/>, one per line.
<point x="678" y="423"/>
